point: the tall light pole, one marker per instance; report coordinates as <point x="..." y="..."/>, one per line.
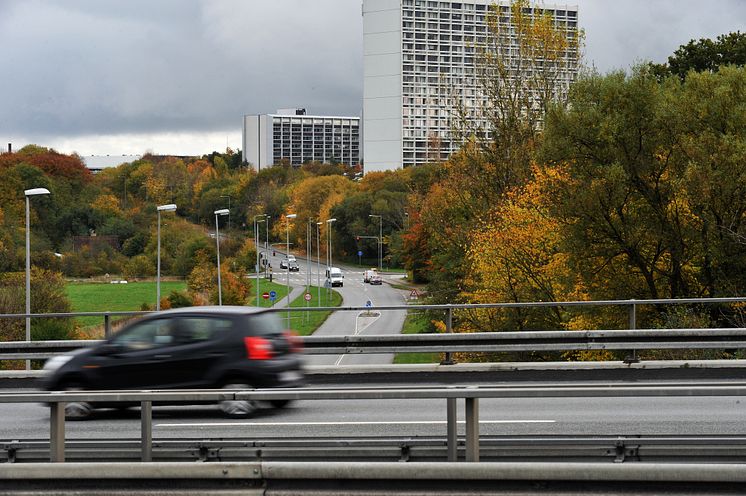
<point x="266" y="248"/>
<point x="318" y="262"/>
<point x="380" y="241"/>
<point x="223" y="211"/>
<point x="288" y="218"/>
<point x="329" y="252"/>
<point x="29" y="193"/>
<point x="256" y="245"/>
<point x="229" y="209"/>
<point x="161" y="208"/>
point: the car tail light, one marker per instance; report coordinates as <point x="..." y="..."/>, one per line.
<point x="258" y="348"/>
<point x="295" y="342"/>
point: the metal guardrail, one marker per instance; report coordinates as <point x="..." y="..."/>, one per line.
<point x="641" y="339"/>
<point x="470" y="394"/>
<point x="493" y="448"/>
<point x="350" y="478"/>
<point x="553" y="340"/>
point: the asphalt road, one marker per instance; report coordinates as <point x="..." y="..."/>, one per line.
<point x="343" y="418"/>
<point x="354" y="293"/>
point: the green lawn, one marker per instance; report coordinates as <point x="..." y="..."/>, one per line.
<point x="416" y="323"/>
<point x="105" y="297"/>
<point x="305" y="323"/>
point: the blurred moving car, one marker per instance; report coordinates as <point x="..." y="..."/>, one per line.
<point x="293" y="266"/>
<point x="376" y="279"/>
<point x="196" y="347"/>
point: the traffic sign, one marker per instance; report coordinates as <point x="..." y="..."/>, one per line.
<point x="265" y="296"/>
<point x="368" y="304"/>
<point x="307" y="296"/>
<point x="273" y="294"/>
<point x="360" y="253"/>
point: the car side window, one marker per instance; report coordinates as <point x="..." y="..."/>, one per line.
<point x="146" y="335"/>
<point x="197" y="329"/>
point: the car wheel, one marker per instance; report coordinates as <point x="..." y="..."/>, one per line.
<point x="237" y="408"/>
<point x="77" y="410"/>
<point x="279" y="403"/>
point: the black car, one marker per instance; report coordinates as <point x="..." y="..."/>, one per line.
<point x="190" y="348"/>
<point x="293" y="266"/>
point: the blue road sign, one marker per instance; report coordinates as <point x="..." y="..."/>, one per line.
<point x="368" y="304"/>
<point x="273" y="295"/>
<point x="360" y="253"/>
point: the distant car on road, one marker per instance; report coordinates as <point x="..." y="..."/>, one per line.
<point x="376" y="279"/>
<point x="368" y="274"/>
<point x="293" y="266"/>
<point x="284" y="263"/>
<point x="186" y="348"/>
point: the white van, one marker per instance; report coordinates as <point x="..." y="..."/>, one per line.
<point x="334" y="276"/>
<point x="368" y="274"/>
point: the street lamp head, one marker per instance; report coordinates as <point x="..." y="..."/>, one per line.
<point x="259" y="221"/>
<point x="222" y="211"/>
<point x="319" y="223"/>
<point x="291" y="216"/>
<point x="332" y="220"/>
<point x="36" y="191"/>
<point x="167" y="208"/>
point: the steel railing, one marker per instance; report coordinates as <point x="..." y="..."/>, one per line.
<point x="471" y="396"/>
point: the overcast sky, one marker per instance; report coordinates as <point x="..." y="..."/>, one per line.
<point x="175" y="76"/>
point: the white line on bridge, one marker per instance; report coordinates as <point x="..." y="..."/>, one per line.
<point x="300" y="424"/>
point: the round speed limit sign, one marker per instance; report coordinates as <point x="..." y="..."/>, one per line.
<point x="307" y="296"/>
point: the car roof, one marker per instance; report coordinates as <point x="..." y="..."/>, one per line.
<point x="213" y="310"/>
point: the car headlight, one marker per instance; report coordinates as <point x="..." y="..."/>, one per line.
<point x="56" y="362"/>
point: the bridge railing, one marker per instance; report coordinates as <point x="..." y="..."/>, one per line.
<point x="631" y="338"/>
<point x="471" y="396"/>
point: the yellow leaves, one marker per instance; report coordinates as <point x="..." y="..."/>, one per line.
<point x="107" y="204"/>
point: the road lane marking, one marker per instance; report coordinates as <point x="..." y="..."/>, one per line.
<point x="323" y="424"/>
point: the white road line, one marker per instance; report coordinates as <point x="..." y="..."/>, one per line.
<point x="300" y="424"/>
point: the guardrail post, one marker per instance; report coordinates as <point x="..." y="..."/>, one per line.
<point x="448" y="360"/>
<point x="57" y="432"/>
<point x="146" y="430"/>
<point x="632" y="326"/>
<point x="451" y="429"/>
<point x="472" y="429"/>
<point x="107" y="325"/>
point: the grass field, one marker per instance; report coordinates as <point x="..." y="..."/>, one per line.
<point x="305" y="323"/>
<point x="105" y="297"/>
<point x="416" y="323"/>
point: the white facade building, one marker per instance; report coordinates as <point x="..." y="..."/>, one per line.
<point x="291" y="134"/>
<point x="417" y="53"/>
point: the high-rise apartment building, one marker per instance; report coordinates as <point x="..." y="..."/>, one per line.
<point x="292" y="135"/>
<point x="417" y="54"/>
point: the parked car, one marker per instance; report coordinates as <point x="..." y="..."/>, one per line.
<point x="376" y="279"/>
<point x="368" y="274"/>
<point x="293" y="266"/>
<point x="334" y="277"/>
<point x="186" y="348"/>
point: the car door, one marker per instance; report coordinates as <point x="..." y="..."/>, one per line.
<point x="140" y="357"/>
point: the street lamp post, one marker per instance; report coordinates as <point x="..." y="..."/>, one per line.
<point x="256" y="245"/>
<point x="318" y="262"/>
<point x="329" y="252"/>
<point x="380" y="240"/>
<point x="161" y="208"/>
<point x="287" y="253"/>
<point x="29" y="193"/>
<point x="223" y="211"/>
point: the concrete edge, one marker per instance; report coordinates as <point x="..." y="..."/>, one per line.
<point x="103" y="470"/>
